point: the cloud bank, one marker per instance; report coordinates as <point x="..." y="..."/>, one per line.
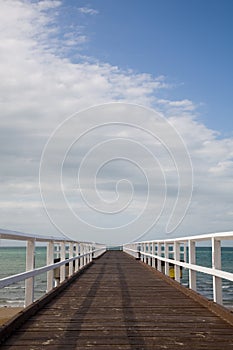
<point x="42" y="84"/>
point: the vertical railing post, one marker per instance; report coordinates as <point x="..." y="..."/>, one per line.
<point x="216" y="264"/>
<point x="81" y="253"/>
<point x="92" y="250"/>
<point x="148" y="251"/>
<point x="144" y="250"/>
<point x="185" y="251"/>
<point x="30" y="264"/>
<point x="89" y="250"/>
<point x="77" y="260"/>
<point x="71" y="255"/>
<point x="84" y="252"/>
<point x="141" y="250"/>
<point x="159" y="251"/>
<point x="166" y="254"/>
<point x="153" y="252"/>
<point x="63" y="257"/>
<point x="50" y="261"/>
<point x="177" y="258"/>
<point x="192" y="260"/>
<point x="94" y="254"/>
<point x="90" y="253"/>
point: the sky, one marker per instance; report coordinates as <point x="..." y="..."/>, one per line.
<point x="116" y="118"/>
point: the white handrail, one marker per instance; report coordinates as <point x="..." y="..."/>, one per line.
<point x="6" y="281"/>
<point x="228" y="235"/>
<point x="157" y="251"/>
<point x="84" y="253"/>
<point x="22" y="236"/>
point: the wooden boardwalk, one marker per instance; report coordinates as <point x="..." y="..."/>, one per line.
<point x="118" y="303"/>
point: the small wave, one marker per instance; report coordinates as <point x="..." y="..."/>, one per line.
<point x="13" y="301"/>
<point x="15" y="287"/>
<point x="226" y="287"/>
<point x="185" y="284"/>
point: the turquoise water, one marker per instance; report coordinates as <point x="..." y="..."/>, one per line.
<point x="12" y="261"/>
<point x="204" y="281"/>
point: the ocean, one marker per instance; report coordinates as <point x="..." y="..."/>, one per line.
<point x="204" y="281"/>
<point x="12" y="261"/>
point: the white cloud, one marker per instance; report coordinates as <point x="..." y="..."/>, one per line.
<point x="223" y="168"/>
<point x="88" y="11"/>
<point x="185" y="105"/>
<point x="40" y="86"/>
<point x="48" y="4"/>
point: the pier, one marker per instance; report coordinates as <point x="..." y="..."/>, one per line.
<point x="119" y="299"/>
<point x="119" y="302"/>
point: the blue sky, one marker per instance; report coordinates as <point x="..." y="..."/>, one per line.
<point x="61" y="57"/>
<point x="189" y="42"/>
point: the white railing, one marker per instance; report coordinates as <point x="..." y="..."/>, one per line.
<point x="181" y="252"/>
<point x="80" y="254"/>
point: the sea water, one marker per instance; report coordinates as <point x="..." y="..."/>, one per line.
<point x="204" y="281"/>
<point x="12" y="261"/>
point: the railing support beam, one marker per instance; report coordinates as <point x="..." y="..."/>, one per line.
<point x="63" y="257"/>
<point x="50" y="261"/>
<point x="216" y="264"/>
<point x="82" y="258"/>
<point x="30" y="264"/>
<point x="159" y="266"/>
<point x="77" y="262"/>
<point x="177" y="257"/>
<point x="71" y="255"/>
<point x="166" y="253"/>
<point x="192" y="260"/>
<point x="153" y="252"/>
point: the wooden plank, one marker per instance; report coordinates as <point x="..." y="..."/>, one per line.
<point x="119" y="304"/>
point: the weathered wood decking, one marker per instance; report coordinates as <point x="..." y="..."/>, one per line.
<point x="118" y="303"/>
